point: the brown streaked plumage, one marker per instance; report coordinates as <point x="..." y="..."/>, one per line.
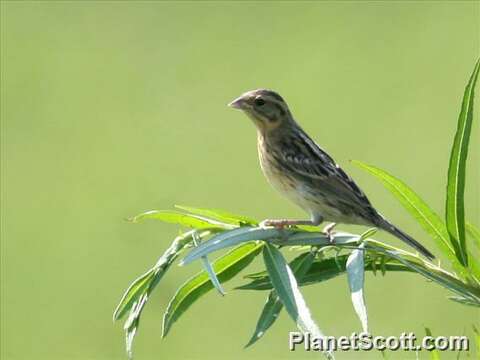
<point x="299" y="169"/>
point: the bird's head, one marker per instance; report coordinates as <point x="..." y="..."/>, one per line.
<point x="266" y="108"/>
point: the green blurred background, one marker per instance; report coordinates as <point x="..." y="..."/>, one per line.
<point x="112" y="108"/>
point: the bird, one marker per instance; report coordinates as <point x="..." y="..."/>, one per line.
<point x="305" y="174"/>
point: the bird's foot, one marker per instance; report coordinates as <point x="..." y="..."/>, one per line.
<point x="328" y="231"/>
<point x="276" y="223"/>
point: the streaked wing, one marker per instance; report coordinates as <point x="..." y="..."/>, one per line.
<point x="304" y="158"/>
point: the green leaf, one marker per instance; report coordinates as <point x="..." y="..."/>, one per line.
<point x="325" y="269"/>
<point x="213" y="277"/>
<point x="231" y="238"/>
<point x="355" y="267"/>
<point x="434" y="354"/>
<point x="174" y="217"/>
<point x="131" y="325"/>
<point x="418" y="208"/>
<point x="303" y="238"/>
<point x="225" y="267"/>
<point x="285" y="285"/>
<point x="300" y="265"/>
<point x="220" y="215"/>
<point x="209" y="269"/>
<point x="269" y="314"/>
<point x="320" y="270"/>
<point x="133" y="320"/>
<point x="356" y="278"/>
<point x="455" y="211"/>
<point x="464" y="301"/>
<point x="433" y="273"/>
<point x="133" y="293"/>
<point x="140" y="285"/>
<point x="367" y="234"/>
<point x="136" y="296"/>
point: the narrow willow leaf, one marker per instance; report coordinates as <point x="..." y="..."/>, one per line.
<point x="418" y="208"/>
<point x="320" y="270"/>
<point x="137" y="295"/>
<point x="225" y="267"/>
<point x="131" y="325"/>
<point x="367" y="234"/>
<point x="269" y="314"/>
<point x="209" y="269"/>
<point x="213" y="277"/>
<point x="434" y="273"/>
<point x="434" y="354"/>
<point x="316" y="238"/>
<point x="130" y="335"/>
<point x="174" y="217"/>
<point x="140" y="285"/>
<point x="356" y="279"/>
<point x="325" y="269"/>
<point x="133" y="320"/>
<point x="286" y="287"/>
<point x="455" y="211"/>
<point x="133" y="293"/>
<point x="300" y="265"/>
<point x="382" y="265"/>
<point x="464" y="301"/>
<point x="220" y="215"/>
<point x="263" y="275"/>
<point x="293" y="264"/>
<point x="256" y="275"/>
<point x="231" y="238"/>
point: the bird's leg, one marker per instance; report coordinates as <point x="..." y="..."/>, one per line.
<point x="328" y="230"/>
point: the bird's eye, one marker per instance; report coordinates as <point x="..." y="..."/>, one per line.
<point x="259" y="102"/>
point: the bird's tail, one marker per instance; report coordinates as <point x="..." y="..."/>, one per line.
<point x="392" y="229"/>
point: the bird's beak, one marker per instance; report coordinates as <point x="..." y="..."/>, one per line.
<point x="238" y="103"/>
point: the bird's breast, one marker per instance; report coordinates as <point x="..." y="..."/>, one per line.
<point x="281" y="179"/>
